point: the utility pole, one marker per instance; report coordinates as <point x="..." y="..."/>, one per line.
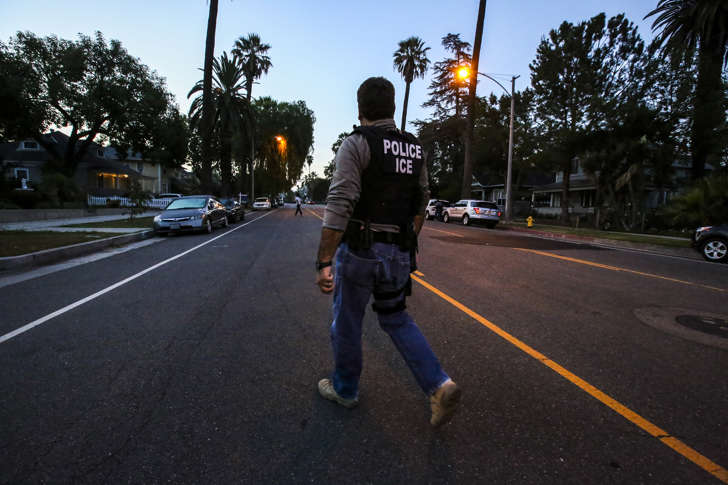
<point x="466" y="189"/>
<point x="509" y="203"/>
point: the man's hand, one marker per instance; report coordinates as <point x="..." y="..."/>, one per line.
<point x="325" y="280"/>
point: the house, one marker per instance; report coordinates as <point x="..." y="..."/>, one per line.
<point x="546" y="198"/>
<point x="521" y="189"/>
<point x="101" y="171"/>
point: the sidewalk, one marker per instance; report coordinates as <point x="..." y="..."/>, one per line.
<point x="47" y="256"/>
<point x="55" y="224"/>
<point x="681" y="252"/>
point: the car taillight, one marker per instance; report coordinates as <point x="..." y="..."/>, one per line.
<point x="476" y="210"/>
<point x="499" y="213"/>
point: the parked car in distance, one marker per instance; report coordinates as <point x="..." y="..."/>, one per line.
<point x="235" y="211"/>
<point x="472" y="210"/>
<point x="712" y="242"/>
<point x="262" y="203"/>
<point x="191" y="213"/>
<point x="431" y="208"/>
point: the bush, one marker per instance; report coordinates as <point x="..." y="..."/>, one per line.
<point x="59" y="189"/>
<point x="705" y="203"/>
<point x="113" y="203"/>
<point x="25" y="199"/>
<point x="139" y="199"/>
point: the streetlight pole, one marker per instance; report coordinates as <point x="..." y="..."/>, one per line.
<point x="464" y="74"/>
<point x="509" y="203"/>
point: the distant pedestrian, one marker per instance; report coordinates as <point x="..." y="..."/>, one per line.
<point x="374" y="212"/>
<point x="298" y="207"/>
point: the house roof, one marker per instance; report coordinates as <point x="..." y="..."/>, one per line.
<point x="529" y="178"/>
<point x="11" y="152"/>
<point x="575" y="184"/>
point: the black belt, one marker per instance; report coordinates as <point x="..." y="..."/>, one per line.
<point x="387" y="237"/>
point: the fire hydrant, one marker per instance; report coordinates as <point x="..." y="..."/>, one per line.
<point x="529" y="221"/>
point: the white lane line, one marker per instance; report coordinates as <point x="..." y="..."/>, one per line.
<point x="80" y="302"/>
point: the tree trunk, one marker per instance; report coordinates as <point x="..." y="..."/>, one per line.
<point x="251" y="131"/>
<point x="206" y="124"/>
<point x="404" y="106"/>
<point x="466" y="189"/>
<point x="566" y="185"/>
<point x="708" y="112"/>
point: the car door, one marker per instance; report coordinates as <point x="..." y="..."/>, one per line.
<point x="459" y="209"/>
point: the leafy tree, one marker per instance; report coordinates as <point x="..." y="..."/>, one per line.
<point x="582" y="74"/>
<point x="281" y="162"/>
<point x="230" y="109"/>
<point x="410" y="60"/>
<point x="442" y="133"/>
<point x="446" y="91"/>
<point x="329" y="170"/>
<point x="687" y="26"/>
<point x="96" y="90"/>
<point x="207" y="109"/>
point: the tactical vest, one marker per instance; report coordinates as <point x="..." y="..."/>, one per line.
<point x="390" y="188"/>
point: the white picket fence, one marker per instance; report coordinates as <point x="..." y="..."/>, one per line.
<point x="94" y="201"/>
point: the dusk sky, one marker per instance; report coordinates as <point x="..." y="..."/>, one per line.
<point x="321" y="50"/>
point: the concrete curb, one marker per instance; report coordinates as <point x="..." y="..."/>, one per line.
<point x="688" y="253"/>
<point x="48" y="256"/>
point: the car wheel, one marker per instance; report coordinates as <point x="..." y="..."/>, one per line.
<point x="715" y="250"/>
<point x="445" y="218"/>
<point x="208" y="226"/>
<point x="466" y="220"/>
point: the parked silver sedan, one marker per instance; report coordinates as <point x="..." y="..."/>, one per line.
<point x="191" y="213"/>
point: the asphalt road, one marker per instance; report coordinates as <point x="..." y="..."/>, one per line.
<point x="195" y="360"/>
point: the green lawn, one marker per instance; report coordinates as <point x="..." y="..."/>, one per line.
<point x="616" y="236"/>
<point x="14" y="243"/>
<point x="141" y="222"/>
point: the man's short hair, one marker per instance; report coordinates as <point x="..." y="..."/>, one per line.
<point x="376" y="99"/>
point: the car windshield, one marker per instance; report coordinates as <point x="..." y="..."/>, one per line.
<point x="485" y="205"/>
<point x="195" y="203"/>
<point x="262" y="199"/>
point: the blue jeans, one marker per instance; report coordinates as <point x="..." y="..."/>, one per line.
<point x="381" y="270"/>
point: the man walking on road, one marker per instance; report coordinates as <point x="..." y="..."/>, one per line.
<point x="298" y="207"/>
<point x="374" y="212"/>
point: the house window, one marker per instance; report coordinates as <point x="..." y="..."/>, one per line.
<point x="30" y="145"/>
<point x="542" y="199"/>
<point x="587" y="198"/>
<point x="22" y="173"/>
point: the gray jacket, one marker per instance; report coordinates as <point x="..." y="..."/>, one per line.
<point x="351" y="160"/>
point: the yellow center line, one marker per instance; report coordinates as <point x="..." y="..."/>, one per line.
<point x="444" y="232"/>
<point x="312" y="212"/>
<point x="655" y="431"/>
<point x="617" y="268"/>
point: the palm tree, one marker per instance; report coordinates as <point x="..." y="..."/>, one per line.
<point x="411" y="61"/>
<point x="251" y="55"/>
<point x="229" y="109"/>
<point x="206" y="135"/>
<point x="687" y="26"/>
